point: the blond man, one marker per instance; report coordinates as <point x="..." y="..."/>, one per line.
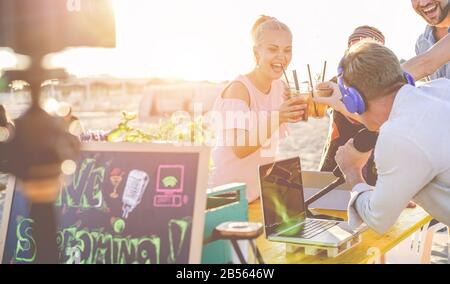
<point x="412" y="154"/>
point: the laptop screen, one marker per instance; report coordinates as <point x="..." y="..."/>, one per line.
<point x="282" y="195"/>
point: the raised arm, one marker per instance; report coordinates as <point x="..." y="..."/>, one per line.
<point x="429" y="62"/>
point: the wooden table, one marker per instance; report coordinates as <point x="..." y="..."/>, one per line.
<point x="370" y="250"/>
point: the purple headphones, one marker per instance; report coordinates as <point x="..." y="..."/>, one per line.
<point x="354" y="102"/>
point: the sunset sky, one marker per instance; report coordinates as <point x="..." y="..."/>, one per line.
<point x="210" y="39"/>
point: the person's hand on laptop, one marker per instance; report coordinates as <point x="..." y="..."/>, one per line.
<point x="351" y="163"/>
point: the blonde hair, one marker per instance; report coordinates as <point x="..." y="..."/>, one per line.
<point x="264" y="23"/>
<point x="371" y="68"/>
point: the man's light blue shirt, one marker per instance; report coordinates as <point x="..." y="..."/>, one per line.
<point x="425" y="42"/>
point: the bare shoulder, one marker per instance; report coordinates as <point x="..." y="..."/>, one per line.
<point x="237" y="90"/>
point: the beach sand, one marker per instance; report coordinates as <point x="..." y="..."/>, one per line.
<point x="307" y="140"/>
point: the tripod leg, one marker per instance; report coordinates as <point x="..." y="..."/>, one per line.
<point x="237" y="249"/>
<point x="256" y="252"/>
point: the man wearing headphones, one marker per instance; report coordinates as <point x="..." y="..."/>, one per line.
<point x="412" y="154"/>
<point x="343" y="128"/>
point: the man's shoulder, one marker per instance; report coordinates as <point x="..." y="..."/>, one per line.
<point x="400" y="138"/>
<point x="404" y="112"/>
<point x="439" y="87"/>
<point x="391" y="128"/>
<point x="425" y="40"/>
<point x="441" y="82"/>
<point x="413" y="103"/>
<point x="428" y="33"/>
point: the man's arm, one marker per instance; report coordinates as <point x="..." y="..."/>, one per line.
<point x="403" y="170"/>
<point x="429" y="62"/>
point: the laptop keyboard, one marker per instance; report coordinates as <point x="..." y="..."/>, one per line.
<point x="309" y="229"/>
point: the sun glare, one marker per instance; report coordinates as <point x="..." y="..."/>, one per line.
<point x="7" y="59"/>
<point x="210" y="40"/>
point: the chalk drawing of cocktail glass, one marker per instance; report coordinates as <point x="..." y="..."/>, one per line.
<point x="116" y="178"/>
<point x="134" y="190"/>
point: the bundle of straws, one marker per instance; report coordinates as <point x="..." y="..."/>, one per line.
<point x="297" y="86"/>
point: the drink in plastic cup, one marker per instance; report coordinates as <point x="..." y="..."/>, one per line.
<point x="315" y="110"/>
<point x="321" y="108"/>
<point x="302" y="99"/>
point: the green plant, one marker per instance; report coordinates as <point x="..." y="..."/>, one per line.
<point x="178" y="128"/>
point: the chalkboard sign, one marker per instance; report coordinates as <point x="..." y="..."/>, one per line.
<point x="126" y="203"/>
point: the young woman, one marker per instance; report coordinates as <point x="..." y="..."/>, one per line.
<point x="253" y="111"/>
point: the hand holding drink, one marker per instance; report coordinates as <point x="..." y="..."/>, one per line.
<point x="293" y="110"/>
<point x="306" y="94"/>
<point x="316" y="109"/>
<point x="334" y="100"/>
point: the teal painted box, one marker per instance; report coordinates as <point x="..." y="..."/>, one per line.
<point x="224" y="203"/>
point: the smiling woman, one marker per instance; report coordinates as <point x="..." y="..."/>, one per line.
<point x="252" y="110"/>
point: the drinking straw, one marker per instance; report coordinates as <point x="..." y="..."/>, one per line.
<point x="312" y="90"/>
<point x="285" y="76"/>
<point x="297" y="86"/>
<point x="324" y="70"/>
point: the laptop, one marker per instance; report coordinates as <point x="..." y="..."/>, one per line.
<point x="285" y="215"/>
